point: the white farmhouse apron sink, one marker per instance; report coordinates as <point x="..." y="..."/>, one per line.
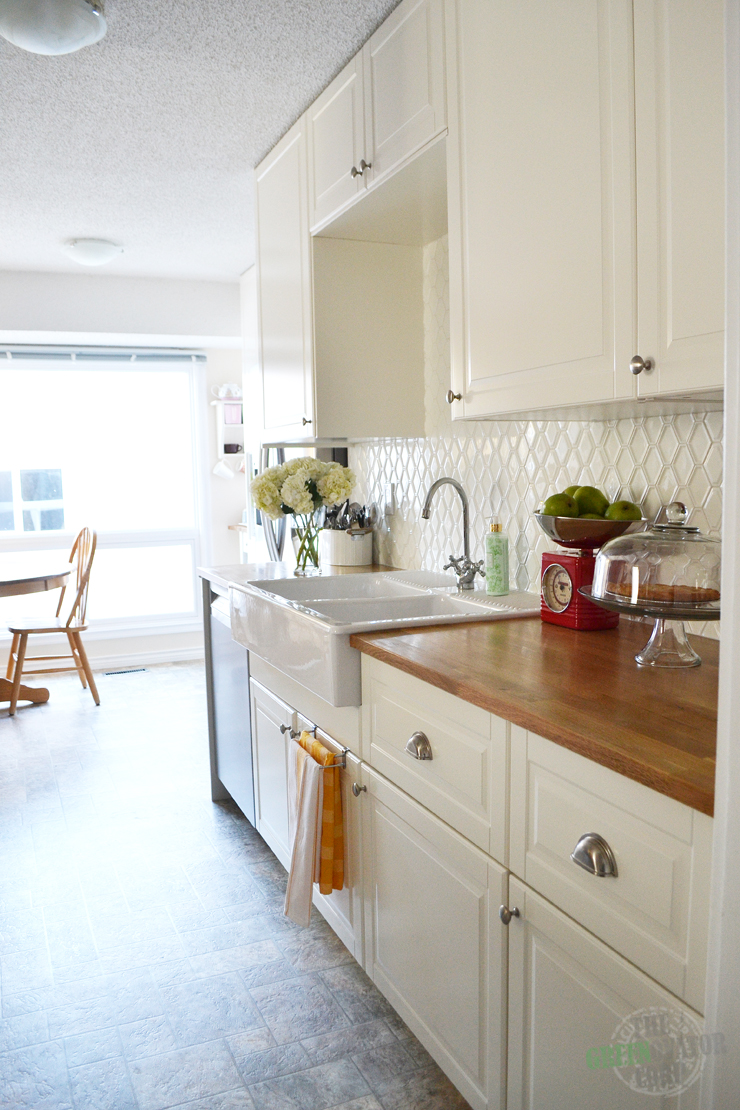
<point x="302" y="626"/>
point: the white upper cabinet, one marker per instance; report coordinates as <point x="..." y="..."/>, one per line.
<point x="540" y="184"/>
<point x="336" y="144"/>
<point x="405" y="101"/>
<point x="679" y="92"/>
<point x="385" y="105"/>
<point x="586" y="202"/>
<point x="284" y="288"/>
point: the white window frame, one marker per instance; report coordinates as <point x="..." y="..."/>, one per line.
<point x="197" y="537"/>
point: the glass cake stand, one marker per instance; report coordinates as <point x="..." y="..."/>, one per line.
<point x="668" y="645"/>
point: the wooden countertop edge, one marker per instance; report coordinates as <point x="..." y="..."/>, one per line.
<point x="674" y="784"/>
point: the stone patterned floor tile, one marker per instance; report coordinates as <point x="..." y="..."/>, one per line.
<point x="384" y="1062"/>
<point x="256" y="956"/>
<point x="367" y="1102"/>
<point x="315" y="954"/>
<point x="25" y="1030"/>
<point x="283" y="1060"/>
<point x="357" y="994"/>
<point x="252" y="1040"/>
<point x="161" y="1082"/>
<point x="90" y="1048"/>
<point x="359" y="1038"/>
<point x="209" y="1008"/>
<point x="147" y="1038"/>
<point x="35" y="1078"/>
<point x="316" y="1089"/>
<point x="274" y="972"/>
<point x="298" y="1008"/>
<point x="231" y="1100"/>
<point x="428" y="1089"/>
<point x="102" y="1086"/>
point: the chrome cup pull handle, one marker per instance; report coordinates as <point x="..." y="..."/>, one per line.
<point x="419" y="747"/>
<point x="594" y="855"/>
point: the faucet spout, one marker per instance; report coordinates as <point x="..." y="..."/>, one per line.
<point x="425" y="512"/>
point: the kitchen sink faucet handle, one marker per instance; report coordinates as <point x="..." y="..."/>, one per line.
<point x="465" y="570"/>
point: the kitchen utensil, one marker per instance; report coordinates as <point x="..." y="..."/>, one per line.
<point x="566" y="574"/>
<point x="671" y="573"/>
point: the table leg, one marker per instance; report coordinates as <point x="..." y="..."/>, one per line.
<point x="26" y="693"/>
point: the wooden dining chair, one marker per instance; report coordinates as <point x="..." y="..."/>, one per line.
<point x="71" y="625"/>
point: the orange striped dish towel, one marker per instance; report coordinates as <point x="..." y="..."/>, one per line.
<point x="331" y="869"/>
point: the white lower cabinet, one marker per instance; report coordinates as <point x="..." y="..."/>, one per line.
<point x="270" y="756"/>
<point x="270" y="749"/>
<point x="434" y="943"/>
<point x="568" y="995"/>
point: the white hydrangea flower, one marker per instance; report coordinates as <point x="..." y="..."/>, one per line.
<point x="295" y="493"/>
<point x="265" y="489"/>
<point x="336" y="485"/>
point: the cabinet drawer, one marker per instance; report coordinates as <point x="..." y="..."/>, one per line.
<point x="465" y="781"/>
<point x="654" y="912"/>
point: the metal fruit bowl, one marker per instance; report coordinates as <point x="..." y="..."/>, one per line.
<point x="577" y="532"/>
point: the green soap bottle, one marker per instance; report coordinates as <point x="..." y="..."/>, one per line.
<point x="497" y="559"/>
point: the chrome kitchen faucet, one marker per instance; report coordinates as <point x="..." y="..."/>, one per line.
<point x="463" y="567"/>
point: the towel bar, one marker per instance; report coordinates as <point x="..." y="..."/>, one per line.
<point x="342" y="757"/>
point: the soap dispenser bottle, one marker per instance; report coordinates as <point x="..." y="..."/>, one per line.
<point x="497" y="559"/>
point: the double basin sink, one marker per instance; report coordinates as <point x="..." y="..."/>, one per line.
<point x="302" y="626"/>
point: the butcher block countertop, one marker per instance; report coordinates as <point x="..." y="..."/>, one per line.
<point x="582" y="690"/>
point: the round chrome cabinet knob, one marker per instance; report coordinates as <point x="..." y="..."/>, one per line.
<point x="638" y="364"/>
<point x="506" y="914"/>
<point x="453" y="396"/>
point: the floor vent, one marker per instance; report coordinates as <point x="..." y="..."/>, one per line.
<point x="129" y="670"/>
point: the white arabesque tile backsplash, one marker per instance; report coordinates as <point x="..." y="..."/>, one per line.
<point x="508" y="467"/>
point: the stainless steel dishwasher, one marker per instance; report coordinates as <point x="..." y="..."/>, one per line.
<point x="227" y="676"/>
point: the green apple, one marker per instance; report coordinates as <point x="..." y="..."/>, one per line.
<point x="571" y="490"/>
<point x="560" y="504"/>
<point x="589" y="499"/>
<point x="623" y="510"/>
<point x="591" y="516"/>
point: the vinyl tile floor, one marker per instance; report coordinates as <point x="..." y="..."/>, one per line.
<point x="145" y="962"/>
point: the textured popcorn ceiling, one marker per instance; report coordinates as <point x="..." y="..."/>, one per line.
<point x="150" y="136"/>
<point x="508" y="467"/>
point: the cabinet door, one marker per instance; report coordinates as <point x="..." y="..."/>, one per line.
<point x="343" y="909"/>
<point x="540" y="187"/>
<point x="679" y="94"/>
<point x="568" y="993"/>
<point x="435" y="946"/>
<point x="284" y="288"/>
<point x="270" y="749"/>
<point x="336" y="144"/>
<point x="405" y="102"/>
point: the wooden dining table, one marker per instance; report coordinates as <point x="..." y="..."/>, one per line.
<point x="18" y="577"/>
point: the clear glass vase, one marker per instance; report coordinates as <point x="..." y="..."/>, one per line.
<point x="306" y="543"/>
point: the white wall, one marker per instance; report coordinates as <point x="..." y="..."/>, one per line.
<point x="98" y="308"/>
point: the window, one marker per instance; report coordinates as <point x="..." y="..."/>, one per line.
<point x="108" y="442"/>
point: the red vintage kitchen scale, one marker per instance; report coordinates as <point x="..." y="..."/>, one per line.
<point x="563" y="573"/>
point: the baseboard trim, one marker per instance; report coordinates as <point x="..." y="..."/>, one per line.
<point x="145" y="658"/>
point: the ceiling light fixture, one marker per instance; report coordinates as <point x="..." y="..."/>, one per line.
<point x="92" y="252"/>
<point x="52" y="26"/>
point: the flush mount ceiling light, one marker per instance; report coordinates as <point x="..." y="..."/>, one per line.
<point x="92" y="252"/>
<point x="52" y="26"/>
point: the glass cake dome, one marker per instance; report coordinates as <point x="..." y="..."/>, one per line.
<point x="670" y="572"/>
